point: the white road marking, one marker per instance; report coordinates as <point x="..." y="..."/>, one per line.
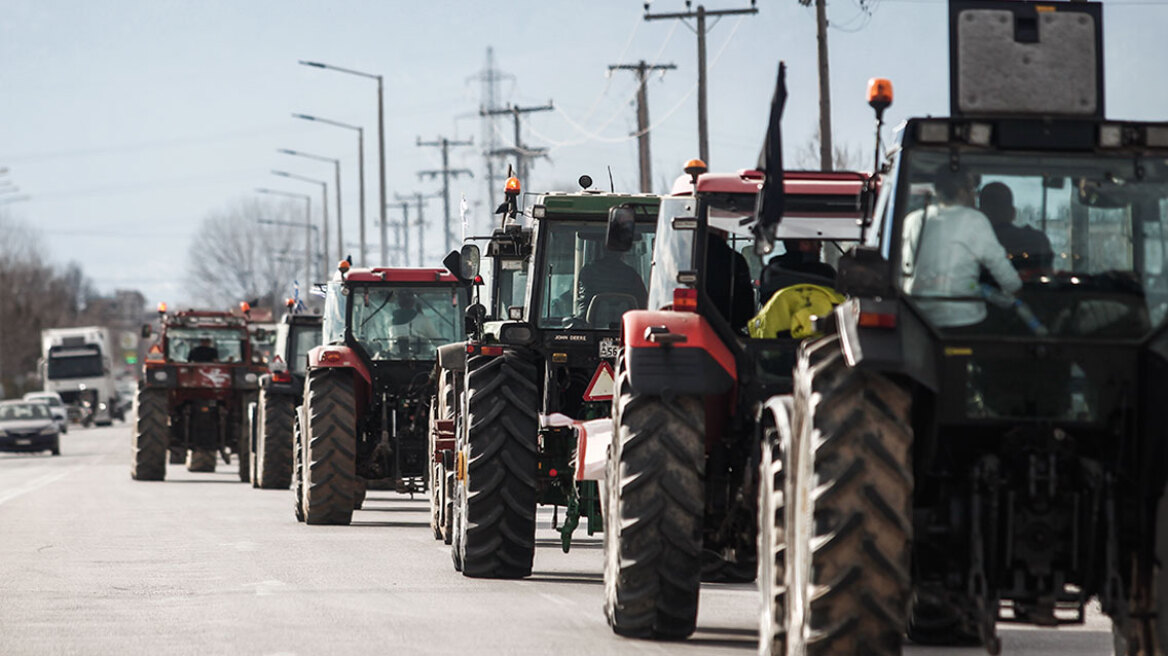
<point x="38" y="483"/>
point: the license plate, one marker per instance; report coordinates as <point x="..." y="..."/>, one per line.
<point x="23" y="442"/>
<point x="609" y="347"/>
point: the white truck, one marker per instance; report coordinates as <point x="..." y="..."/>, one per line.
<point x="77" y="364"/>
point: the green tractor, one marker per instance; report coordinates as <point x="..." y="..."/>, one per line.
<point x="535" y="373"/>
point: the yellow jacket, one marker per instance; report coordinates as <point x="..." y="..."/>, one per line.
<point x="791" y="310"/>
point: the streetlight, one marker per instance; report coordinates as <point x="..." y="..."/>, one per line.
<point x="360" y="169"/>
<point x="307" y="225"/>
<point x="340" y="223"/>
<point x="323" y="205"/>
<point x="380" y="140"/>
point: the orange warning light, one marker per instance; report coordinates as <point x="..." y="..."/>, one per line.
<point x="879" y="93"/>
<point x="512" y="188"/>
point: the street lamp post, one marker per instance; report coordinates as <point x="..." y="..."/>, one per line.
<point x="380" y="141"/>
<point x="307" y="225"/>
<point x="360" y="170"/>
<point x="340" y="223"/>
<point x="323" y="205"/>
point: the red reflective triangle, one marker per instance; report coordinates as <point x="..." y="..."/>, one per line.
<point x="602" y="385"/>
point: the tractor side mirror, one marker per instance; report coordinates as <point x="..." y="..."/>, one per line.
<point x="146" y="331"/>
<point x="475" y="314"/>
<point x="463" y="264"/>
<point x="622" y="228"/>
<point x="863" y="271"/>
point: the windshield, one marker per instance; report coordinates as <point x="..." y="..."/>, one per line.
<point x="204" y="345"/>
<point x="1066" y="245"/>
<point x="52" y="400"/>
<point x="302" y="340"/>
<point x="81" y="362"/>
<point x="335" y="300"/>
<point x="586" y="285"/>
<point x="512" y="287"/>
<point x="18" y="411"/>
<point x="405" y="322"/>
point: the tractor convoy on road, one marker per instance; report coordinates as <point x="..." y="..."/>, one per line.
<point x="912" y="403"/>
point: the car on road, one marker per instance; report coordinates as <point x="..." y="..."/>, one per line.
<point x="56" y="407"/>
<point x="28" y="426"/>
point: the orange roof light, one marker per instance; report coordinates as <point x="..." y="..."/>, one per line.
<point x="162" y="308"/>
<point x="289" y="302"/>
<point x="512" y="188"/>
<point x="879" y="93"/>
<point x="343" y="266"/>
<point x="696" y="167"/>
<point x="244" y="307"/>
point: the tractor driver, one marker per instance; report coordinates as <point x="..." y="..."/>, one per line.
<point x="407" y="319"/>
<point x="946" y="245"/>
<point x="204" y="352"/>
<point x="609" y="274"/>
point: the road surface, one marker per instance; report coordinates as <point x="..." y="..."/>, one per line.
<point x="92" y="562"/>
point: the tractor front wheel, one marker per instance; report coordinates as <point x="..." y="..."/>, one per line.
<point x="775" y="429"/>
<point x="849" y="576"/>
<point x="502" y="426"/>
<point x="653" y="520"/>
<point x="330" y="456"/>
<point x="150" y="436"/>
<point x="298" y="465"/>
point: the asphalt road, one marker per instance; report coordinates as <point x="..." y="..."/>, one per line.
<point x="92" y="562"/>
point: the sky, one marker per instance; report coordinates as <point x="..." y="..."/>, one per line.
<point x="126" y="122"/>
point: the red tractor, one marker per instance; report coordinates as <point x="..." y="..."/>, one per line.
<point x="197" y="381"/>
<point x="692" y="387"/>
<point x="367" y="391"/>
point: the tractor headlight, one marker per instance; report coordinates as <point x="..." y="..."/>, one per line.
<point x="160" y="376"/>
<point x="515" y="333"/>
<point x="249" y="377"/>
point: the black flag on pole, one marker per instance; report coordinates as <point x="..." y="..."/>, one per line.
<point x="769" y="208"/>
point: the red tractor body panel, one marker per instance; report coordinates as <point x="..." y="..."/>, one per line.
<point x="677" y="352"/>
<point x="379" y="274"/>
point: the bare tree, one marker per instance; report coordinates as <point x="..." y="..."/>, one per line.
<point x="234" y="257"/>
<point x="33" y="296"/>
<point x="844" y="158"/>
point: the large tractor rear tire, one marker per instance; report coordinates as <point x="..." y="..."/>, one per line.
<point x="775" y="429"/>
<point x="201" y="461"/>
<point x="151" y="434"/>
<point x="653" y="519"/>
<point x="298" y="464"/>
<point x="330" y="465"/>
<point x="850" y="529"/>
<point x="274" y="440"/>
<point x="502" y="429"/>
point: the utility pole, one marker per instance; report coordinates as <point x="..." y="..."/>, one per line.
<point x="521" y="152"/>
<point x="701" y="15"/>
<point x="825" y="155"/>
<point x="402" y="229"/>
<point x="642" y="70"/>
<point x="420" y="199"/>
<point x="445" y="172"/>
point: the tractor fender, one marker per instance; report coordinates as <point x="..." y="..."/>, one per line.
<point x="338" y="356"/>
<point x="667" y="352"/>
<point x="452" y="357"/>
<point x="892" y="343"/>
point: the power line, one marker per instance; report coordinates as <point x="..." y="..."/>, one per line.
<point x="700" y="29"/>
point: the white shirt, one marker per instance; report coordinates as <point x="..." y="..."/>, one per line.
<point x="944" y="256"/>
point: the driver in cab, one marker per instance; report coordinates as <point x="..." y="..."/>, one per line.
<point x="407" y="319"/>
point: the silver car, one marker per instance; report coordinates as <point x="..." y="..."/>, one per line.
<point x="56" y="407"/>
<point x="28" y="426"/>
